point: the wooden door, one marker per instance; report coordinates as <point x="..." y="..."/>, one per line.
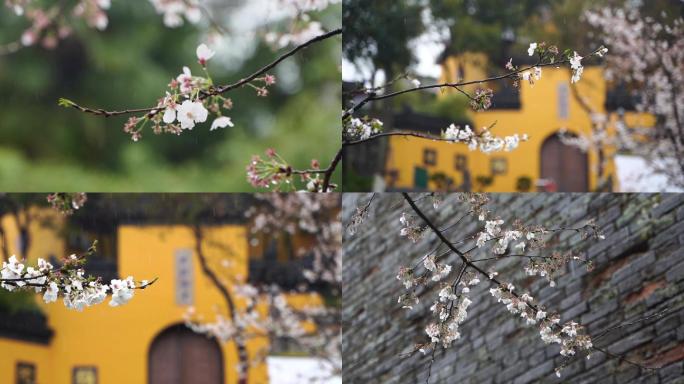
<point x="180" y="356"/>
<point x="564" y="165"/>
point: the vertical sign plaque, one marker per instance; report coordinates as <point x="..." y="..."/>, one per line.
<point x="563" y="101"/>
<point x="184" y="277"/>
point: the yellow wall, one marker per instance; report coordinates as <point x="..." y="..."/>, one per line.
<point x="537" y="117"/>
<point x="13" y="352"/>
<point x="44" y="230"/>
<point x="117" y="340"/>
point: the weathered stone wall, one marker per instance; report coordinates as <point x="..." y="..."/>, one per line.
<point x="639" y="268"/>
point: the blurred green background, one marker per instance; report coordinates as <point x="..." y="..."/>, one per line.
<point x="128" y="65"/>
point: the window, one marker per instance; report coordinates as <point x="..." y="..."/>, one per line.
<point x="84" y="375"/>
<point x="460" y="162"/>
<point x="26" y="373"/>
<point x="499" y="166"/>
<point x="429" y="156"/>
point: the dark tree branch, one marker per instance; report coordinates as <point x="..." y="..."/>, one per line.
<point x="151" y="111"/>
<point x="493" y="279"/>
<point x="331" y="169"/>
<point x="396" y="133"/>
<point x="230" y="303"/>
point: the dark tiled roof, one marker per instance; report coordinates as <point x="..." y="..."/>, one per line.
<point x="409" y="120"/>
<point x="111" y="210"/>
<point x="25" y="326"/>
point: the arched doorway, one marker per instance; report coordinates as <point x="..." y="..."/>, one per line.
<point x="564" y="166"/>
<point x="180" y="356"/>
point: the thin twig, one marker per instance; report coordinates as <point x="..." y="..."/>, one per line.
<point x="330" y="170"/>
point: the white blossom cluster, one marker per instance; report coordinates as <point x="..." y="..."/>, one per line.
<point x="486" y="142"/>
<point x="435" y="272"/>
<point x="48" y="25"/>
<point x="493" y="230"/>
<point x="69" y="282"/>
<point x="439" y="271"/>
<point x="303" y="28"/>
<point x="281" y="320"/>
<point x="308" y="5"/>
<point x="531" y="76"/>
<point x="447" y="331"/>
<point x="18" y="6"/>
<point x="190" y="111"/>
<point x="451" y="311"/>
<point x="295" y="37"/>
<point x="278" y="320"/>
<point x="361" y="129"/>
<point x="549" y="54"/>
<point x="410" y="229"/>
<point x="570" y="336"/>
<point x="188" y="102"/>
<point x="576" y="66"/>
<point x="648" y="57"/>
<point x="174" y="11"/>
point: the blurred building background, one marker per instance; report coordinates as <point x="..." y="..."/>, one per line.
<point x="463" y="40"/>
<point x="542" y="111"/>
<point x="638" y="271"/>
<point x="146" y="340"/>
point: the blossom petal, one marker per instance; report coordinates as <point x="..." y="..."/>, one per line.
<point x="200" y="112"/>
<point x="204" y="53"/>
<point x="221" y="122"/>
<point x="169" y="115"/>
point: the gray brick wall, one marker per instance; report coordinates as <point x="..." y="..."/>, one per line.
<point x="639" y="268"/>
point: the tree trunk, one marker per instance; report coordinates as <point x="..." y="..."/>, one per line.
<point x="243" y="357"/>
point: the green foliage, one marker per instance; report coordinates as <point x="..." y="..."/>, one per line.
<point x="46" y="147"/>
<point x="452" y="106"/>
<point x="483" y="24"/>
<point x="66" y="103"/>
<point x="379" y="31"/>
<point x="13" y="302"/>
<point x="355" y="182"/>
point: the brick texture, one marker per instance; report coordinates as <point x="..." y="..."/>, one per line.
<point x="639" y="269"/>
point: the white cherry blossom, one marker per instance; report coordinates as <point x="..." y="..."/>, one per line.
<point x="577" y="68"/>
<point x="190" y="113"/>
<point x="531" y="49"/>
<point x="204" y="53"/>
<point x="185" y="80"/>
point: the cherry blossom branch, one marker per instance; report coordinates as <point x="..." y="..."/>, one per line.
<point x="359" y="216"/>
<point x="68" y="281"/>
<point x="152" y="111"/>
<point x="357" y="131"/>
<point x="395" y="133"/>
<point x="373" y="96"/>
<point x="271" y="65"/>
<point x="446" y="241"/>
<point x="508" y="289"/>
<point x="656" y="315"/>
<point x="275" y="173"/>
<point x="330" y="170"/>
